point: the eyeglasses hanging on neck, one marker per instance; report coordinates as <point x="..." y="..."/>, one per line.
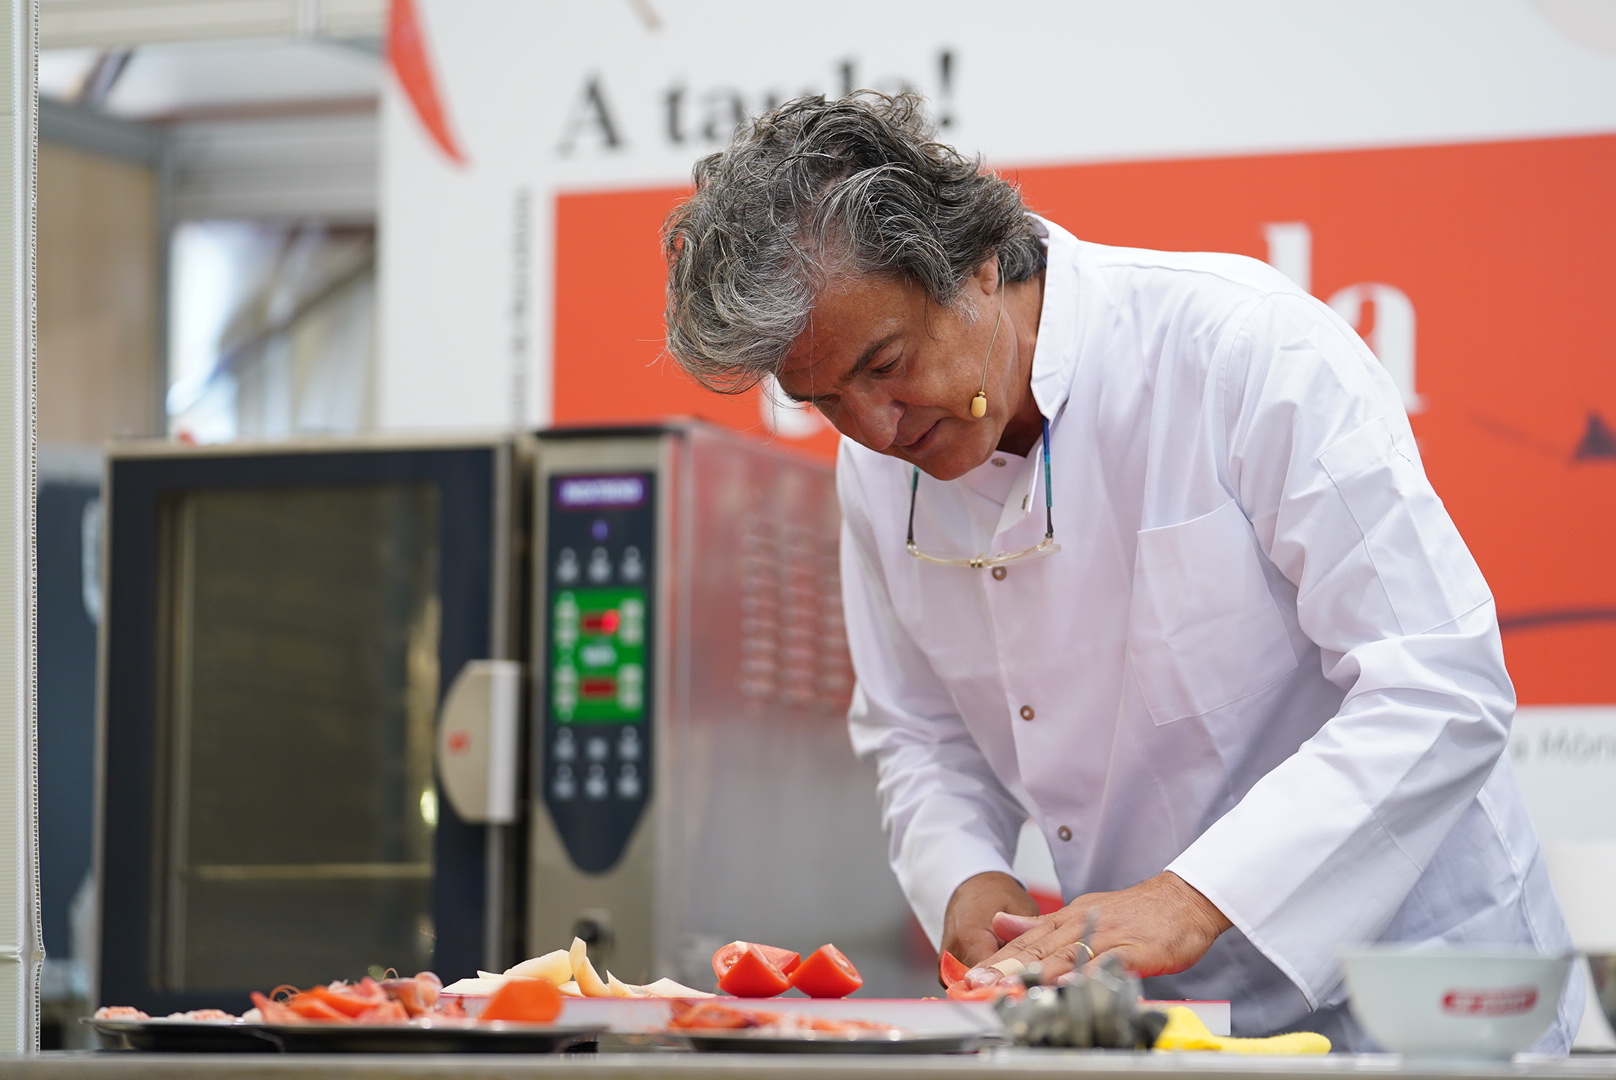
<point x="1046" y="546"/>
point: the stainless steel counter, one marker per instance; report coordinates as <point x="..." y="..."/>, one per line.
<point x="129" y="1065"/>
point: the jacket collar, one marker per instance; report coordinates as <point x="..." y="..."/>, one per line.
<point x="1055" y="356"/>
<point x="1053" y="362"/>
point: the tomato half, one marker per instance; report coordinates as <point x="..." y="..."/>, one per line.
<point x="827" y="974"/>
<point x="532" y="1000"/>
<point x="753" y="975"/>
<point x="725" y="958"/>
<point x="951" y="969"/>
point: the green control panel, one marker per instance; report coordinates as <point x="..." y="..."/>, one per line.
<point x="600" y="660"/>
<point x="597" y="661"/>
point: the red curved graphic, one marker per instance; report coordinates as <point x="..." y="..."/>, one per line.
<point x="406" y="52"/>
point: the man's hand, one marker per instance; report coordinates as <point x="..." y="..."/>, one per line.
<point x="1158" y="927"/>
<point x="968" y="923"/>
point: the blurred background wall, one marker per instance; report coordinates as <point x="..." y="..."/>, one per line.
<point x="100" y="294"/>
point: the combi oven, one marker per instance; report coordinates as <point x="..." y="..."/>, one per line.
<point x="448" y="703"/>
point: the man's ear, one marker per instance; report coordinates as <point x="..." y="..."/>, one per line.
<point x="986" y="277"/>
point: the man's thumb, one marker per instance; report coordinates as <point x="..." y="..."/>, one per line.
<point x="1008" y="927"/>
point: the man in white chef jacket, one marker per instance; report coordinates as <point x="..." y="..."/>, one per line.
<point x="1137" y="545"/>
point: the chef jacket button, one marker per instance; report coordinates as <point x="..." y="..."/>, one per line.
<point x="1064" y="833"/>
<point x="999" y="572"/>
<point x="999" y="461"/>
<point x="1026" y="712"/>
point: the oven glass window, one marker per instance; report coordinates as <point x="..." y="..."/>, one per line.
<point x="301" y="684"/>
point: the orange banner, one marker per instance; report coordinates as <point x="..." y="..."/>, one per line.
<point x="1483" y="276"/>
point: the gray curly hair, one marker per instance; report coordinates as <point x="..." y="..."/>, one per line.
<point x="820" y="187"/>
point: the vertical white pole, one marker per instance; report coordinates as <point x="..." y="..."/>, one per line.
<point x="21" y="947"/>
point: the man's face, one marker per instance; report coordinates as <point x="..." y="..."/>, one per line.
<point x="896" y="373"/>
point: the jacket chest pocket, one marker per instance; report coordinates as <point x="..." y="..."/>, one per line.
<point x="1204" y="630"/>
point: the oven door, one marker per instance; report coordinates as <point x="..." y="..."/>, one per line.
<point x="281" y="628"/>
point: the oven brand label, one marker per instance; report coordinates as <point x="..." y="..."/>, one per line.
<point x="599" y="492"/>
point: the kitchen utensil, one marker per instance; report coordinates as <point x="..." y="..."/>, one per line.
<point x="1467" y="1002"/>
<point x="1094" y="1009"/>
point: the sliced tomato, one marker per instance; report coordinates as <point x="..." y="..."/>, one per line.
<point x="532" y="1000"/>
<point x="827" y="974"/>
<point x="753" y="975"/>
<point x="951" y="969"/>
<point x="725" y="958"/>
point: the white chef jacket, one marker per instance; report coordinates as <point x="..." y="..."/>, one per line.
<point x="1263" y="657"/>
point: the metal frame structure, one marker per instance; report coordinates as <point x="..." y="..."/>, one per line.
<point x="112" y="23"/>
<point x="21" y="948"/>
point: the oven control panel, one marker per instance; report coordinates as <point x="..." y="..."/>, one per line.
<point x="600" y="549"/>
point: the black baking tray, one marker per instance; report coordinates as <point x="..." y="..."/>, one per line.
<point x="434" y="1037"/>
<point x="816" y="1042"/>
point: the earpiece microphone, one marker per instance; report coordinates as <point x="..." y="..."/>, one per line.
<point x="979" y="404"/>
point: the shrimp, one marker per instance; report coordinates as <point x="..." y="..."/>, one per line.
<point x="119" y="1012"/>
<point x="391" y="1001"/>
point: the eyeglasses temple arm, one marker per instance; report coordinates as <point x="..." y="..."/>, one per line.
<point x="1049" y="498"/>
<point x="914" y="488"/>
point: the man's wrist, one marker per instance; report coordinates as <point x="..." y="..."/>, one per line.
<point x="1205" y="912"/>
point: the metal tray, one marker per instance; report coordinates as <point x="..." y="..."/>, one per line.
<point x="180" y="1036"/>
<point x="434" y="1037"/>
<point x="819" y="1042"/>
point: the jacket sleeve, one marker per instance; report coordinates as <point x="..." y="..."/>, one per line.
<point x="947" y="816"/>
<point x="1323" y="850"/>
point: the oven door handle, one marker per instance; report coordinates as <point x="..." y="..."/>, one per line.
<point x="477" y="741"/>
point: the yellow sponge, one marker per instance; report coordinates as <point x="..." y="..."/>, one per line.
<point x="1184" y="1031"/>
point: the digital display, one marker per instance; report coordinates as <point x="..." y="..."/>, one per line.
<point x="600" y="492"/>
<point x="597" y="663"/>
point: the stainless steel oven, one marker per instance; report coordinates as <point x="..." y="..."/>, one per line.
<point x="447" y="704"/>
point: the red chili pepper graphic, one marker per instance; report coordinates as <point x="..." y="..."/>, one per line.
<point x="406" y="52"/>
